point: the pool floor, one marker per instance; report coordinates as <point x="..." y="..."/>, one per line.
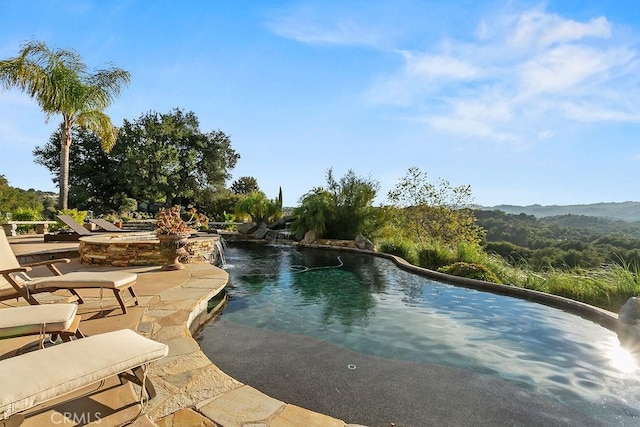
<point x="366" y="305"/>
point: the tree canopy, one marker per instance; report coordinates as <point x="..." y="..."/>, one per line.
<point x="158" y="158"/>
<point x="434" y="211"/>
<point x="245" y="185"/>
<point x="341" y="210"/>
<point x="61" y="85"/>
<point x="12" y="199"/>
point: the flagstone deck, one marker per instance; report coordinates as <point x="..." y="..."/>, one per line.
<point x="191" y="389"/>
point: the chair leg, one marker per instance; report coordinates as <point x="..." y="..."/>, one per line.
<point x="31" y="300"/>
<point x="77" y="295"/>
<point x="137" y="377"/>
<point x="116" y="293"/>
<point x="133" y="295"/>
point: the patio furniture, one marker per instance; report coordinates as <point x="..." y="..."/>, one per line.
<point x="15" y="282"/>
<point x="38" y="377"/>
<point x="107" y="226"/>
<point x="46" y="319"/>
<point x="77" y="230"/>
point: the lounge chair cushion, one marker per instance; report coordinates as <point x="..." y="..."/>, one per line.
<point x="85" y="279"/>
<point x="40" y="376"/>
<point x="33" y="319"/>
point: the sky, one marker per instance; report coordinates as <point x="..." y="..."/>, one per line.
<point x="527" y="102"/>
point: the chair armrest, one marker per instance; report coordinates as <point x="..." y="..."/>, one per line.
<point x="47" y="262"/>
<point x="50" y="265"/>
<point x="15" y="270"/>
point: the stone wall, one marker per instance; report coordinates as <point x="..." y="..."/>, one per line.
<point x="125" y="253"/>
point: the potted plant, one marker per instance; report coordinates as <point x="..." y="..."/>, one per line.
<point x="172" y="232"/>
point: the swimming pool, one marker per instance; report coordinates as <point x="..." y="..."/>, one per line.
<point x="367" y="305"/>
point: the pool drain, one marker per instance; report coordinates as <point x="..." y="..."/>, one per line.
<point x="351" y="366"/>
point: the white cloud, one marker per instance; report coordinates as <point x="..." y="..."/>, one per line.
<point x="527" y="72"/>
<point x="537" y="28"/>
<point x="432" y="67"/>
<point x="587" y="112"/>
<point x="469" y="127"/>
<point x="516" y="79"/>
<point x="339" y="33"/>
<point x="564" y="67"/>
<point x="310" y="25"/>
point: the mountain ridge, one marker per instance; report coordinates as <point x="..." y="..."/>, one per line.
<point x="624" y="211"/>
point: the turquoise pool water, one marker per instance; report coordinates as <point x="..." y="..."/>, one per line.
<point x="368" y="305"/>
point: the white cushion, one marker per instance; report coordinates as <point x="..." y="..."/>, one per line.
<point x="37" y="377"/>
<point x="33" y="319"/>
<point x="85" y="279"/>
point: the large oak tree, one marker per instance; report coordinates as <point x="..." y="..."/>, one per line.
<point x="158" y="158"/>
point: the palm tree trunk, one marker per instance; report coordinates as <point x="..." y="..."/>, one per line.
<point x="65" y="143"/>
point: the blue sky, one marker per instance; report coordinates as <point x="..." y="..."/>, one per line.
<point x="527" y="102"/>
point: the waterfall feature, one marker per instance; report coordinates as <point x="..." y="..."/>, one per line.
<point x="221" y="245"/>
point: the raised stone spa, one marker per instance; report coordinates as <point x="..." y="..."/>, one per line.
<point x="139" y="249"/>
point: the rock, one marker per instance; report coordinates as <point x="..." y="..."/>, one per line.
<point x="261" y="232"/>
<point x="310" y="236"/>
<point x="364" y="243"/>
<point x="247" y="228"/>
<point x="278" y="224"/>
<point x="629" y="324"/>
<point x="630" y="311"/>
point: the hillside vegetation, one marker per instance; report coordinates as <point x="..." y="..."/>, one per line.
<point x="625" y="211"/>
<point x="566" y="241"/>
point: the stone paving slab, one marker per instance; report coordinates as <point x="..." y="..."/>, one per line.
<point x="242" y="406"/>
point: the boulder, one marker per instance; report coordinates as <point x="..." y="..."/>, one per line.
<point x="247" y="227"/>
<point x="310" y="236"/>
<point x="364" y="243"/>
<point x="261" y="232"/>
<point x="629" y="324"/>
<point x="278" y="224"/>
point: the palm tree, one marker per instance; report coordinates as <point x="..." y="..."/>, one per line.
<point x="59" y="82"/>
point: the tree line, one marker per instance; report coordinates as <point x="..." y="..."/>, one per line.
<point x="565" y="241"/>
<point x="159" y="159"/>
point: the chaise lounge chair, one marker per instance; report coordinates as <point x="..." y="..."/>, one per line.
<point x="47" y="319"/>
<point x="40" y="376"/>
<point x="15" y="282"/>
<point x="78" y="230"/>
<point x="107" y="226"/>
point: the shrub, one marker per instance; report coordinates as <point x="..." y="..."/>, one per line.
<point x="470" y="271"/>
<point x="435" y="256"/>
<point x="258" y="207"/>
<point x="403" y="248"/>
<point x="78" y="216"/>
<point x="127" y="206"/>
<point x="470" y="252"/>
<point x="26" y="214"/>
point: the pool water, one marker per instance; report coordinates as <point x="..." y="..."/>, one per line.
<point x="368" y="305"/>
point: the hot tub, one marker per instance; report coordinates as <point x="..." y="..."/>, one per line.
<point x="143" y="248"/>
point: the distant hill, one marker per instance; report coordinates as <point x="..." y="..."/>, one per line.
<point x="624" y="211"/>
